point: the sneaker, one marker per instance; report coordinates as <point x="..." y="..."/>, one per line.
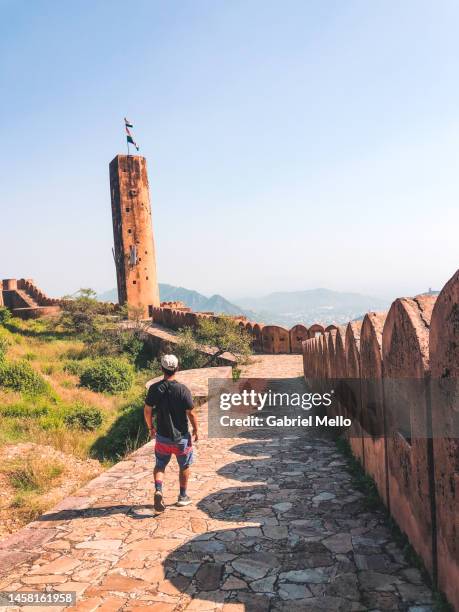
<point x="159" y="504"/>
<point x="183" y="500"/>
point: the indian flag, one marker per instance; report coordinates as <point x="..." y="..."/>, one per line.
<point x="130" y="139"/>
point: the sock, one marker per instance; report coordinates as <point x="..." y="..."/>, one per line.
<point x="159" y="485"/>
<point x="182" y="491"/>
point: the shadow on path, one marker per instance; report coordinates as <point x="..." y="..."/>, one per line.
<point x="141" y="511"/>
<point x="299" y="538"/>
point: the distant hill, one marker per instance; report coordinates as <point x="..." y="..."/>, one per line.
<point x="280" y="308"/>
<point x="312" y="305"/>
<point x="194" y="300"/>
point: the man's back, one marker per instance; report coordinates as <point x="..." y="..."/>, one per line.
<point x="169" y="397"/>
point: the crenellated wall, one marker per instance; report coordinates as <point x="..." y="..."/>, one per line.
<point x="403" y="398"/>
<point x="271" y="339"/>
<point x="25" y="299"/>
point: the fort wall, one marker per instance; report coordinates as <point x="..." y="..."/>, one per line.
<point x="268" y="339"/>
<point x="26" y="300"/>
<point x="403" y="368"/>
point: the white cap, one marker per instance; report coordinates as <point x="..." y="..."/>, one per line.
<point x="169" y="362"/>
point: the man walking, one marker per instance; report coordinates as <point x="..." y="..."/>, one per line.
<point x="171" y="404"/>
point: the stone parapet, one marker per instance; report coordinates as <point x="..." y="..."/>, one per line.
<point x="405" y="368"/>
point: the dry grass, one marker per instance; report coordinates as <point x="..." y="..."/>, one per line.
<point x="72" y="442"/>
<point x="27" y="507"/>
<point x="34" y="478"/>
<point x="35" y="473"/>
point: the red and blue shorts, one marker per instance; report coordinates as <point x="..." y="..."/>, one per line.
<point x="165" y="448"/>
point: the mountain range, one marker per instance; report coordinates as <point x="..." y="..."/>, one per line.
<point x="280" y="308"/>
<point x="194" y="300"/>
<point x="312" y="306"/>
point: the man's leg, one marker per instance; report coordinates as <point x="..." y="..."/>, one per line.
<point x="184" y="462"/>
<point x="161" y="463"/>
<point x="183" y="480"/>
<point x="159" y="478"/>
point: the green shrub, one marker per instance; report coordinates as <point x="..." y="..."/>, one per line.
<point x="23" y="411"/>
<point x="127" y="433"/>
<point x="77" y="353"/>
<point x="32" y="474"/>
<point x="117" y="342"/>
<point x="4" y="344"/>
<point x="132" y="345"/>
<point x="187" y="350"/>
<point x="48" y="368"/>
<point x="80" y="416"/>
<point x="5" y="315"/>
<point x="109" y="375"/>
<point x="51" y="420"/>
<point x="20" y="376"/>
<point x="154" y="368"/>
<point x="77" y="367"/>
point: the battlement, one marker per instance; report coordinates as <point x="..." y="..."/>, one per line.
<point x="414" y="464"/>
<point x="269" y="339"/>
<point x="25" y="299"/>
<point x="176" y="306"/>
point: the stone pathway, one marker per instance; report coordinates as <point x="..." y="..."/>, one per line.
<point x="276" y="525"/>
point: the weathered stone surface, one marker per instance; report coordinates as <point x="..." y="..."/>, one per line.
<point x="254" y="566"/>
<point x="232" y="583"/>
<point x="276" y="525"/>
<point x="100" y="544"/>
<point x="120" y="583"/>
<point x="304" y="576"/>
<point x="263" y="585"/>
<point x="294" y="591"/>
<point x="415" y="592"/>
<point x="62" y="565"/>
<point x="208" y="576"/>
<point x="132" y="224"/>
<point x="282" y="507"/>
<point x="339" y="543"/>
<point x="377" y="581"/>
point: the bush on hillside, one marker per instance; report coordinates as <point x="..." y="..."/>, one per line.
<point x="187" y="350"/>
<point x="133" y="345"/>
<point x="81" y="416"/>
<point x="224" y="334"/>
<point x="82" y="314"/>
<point x="154" y="367"/>
<point x="108" y="375"/>
<point x="5" y="315"/>
<point x="118" y="342"/>
<point x="76" y="367"/>
<point x="125" y="435"/>
<point x="23" y="410"/>
<point x="20" y="376"/>
<point x="4" y="344"/>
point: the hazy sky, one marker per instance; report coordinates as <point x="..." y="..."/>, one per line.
<point x="291" y="144"/>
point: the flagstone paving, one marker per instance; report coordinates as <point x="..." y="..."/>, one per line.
<point x="276" y="525"/>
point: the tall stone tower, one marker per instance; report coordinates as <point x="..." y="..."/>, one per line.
<point x="134" y="251"/>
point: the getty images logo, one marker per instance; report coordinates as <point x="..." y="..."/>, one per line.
<point x="258" y="401"/>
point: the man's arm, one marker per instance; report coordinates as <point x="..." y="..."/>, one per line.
<point x="194" y="424"/>
<point x="148" y="416"/>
